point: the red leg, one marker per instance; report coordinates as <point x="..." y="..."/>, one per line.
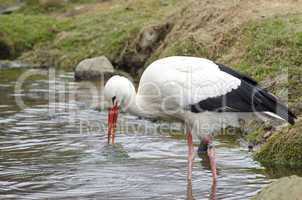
<point x="190" y="155"/>
<point x="109" y="125"/>
<point x="211" y="154"/>
<point x="114" y="123"/>
<point x="112" y="119"/>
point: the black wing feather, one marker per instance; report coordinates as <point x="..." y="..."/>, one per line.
<point x="248" y="97"/>
<point x="237" y="74"/>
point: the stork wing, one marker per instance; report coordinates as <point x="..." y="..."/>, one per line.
<point x="184" y="81"/>
<point x="200" y="83"/>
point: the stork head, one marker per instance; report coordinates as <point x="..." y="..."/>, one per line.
<point x="119" y="92"/>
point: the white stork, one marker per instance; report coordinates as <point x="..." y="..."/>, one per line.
<point x="185" y="88"/>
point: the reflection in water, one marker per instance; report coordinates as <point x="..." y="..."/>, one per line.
<point x="205" y="162"/>
<point x="64" y="154"/>
<point x="212" y="192"/>
<point x="190" y="191"/>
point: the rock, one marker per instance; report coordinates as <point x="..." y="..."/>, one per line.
<point x="93" y="68"/>
<point x="282" y="189"/>
<point x="7" y="64"/>
<point x="134" y="55"/>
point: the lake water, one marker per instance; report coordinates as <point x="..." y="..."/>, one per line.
<point x="58" y="150"/>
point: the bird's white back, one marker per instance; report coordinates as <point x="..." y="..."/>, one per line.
<point x="173" y="83"/>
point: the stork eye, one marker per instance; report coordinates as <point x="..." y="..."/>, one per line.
<point x="113" y="99"/>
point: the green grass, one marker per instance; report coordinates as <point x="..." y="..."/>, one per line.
<point x="256" y="136"/>
<point x="272" y="46"/>
<point x="34" y="7"/>
<point x="7" y="2"/>
<point x="102" y="32"/>
<point x="187" y="46"/>
<point x="21" y="32"/>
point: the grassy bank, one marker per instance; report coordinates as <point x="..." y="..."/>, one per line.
<point x="62" y="39"/>
<point x="20" y="32"/>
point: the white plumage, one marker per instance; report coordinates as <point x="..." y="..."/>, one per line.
<point x="183" y="81"/>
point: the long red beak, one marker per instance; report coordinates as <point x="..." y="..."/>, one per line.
<point x="112" y="119"/>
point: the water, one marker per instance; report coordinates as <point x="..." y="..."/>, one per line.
<point x="58" y="150"/>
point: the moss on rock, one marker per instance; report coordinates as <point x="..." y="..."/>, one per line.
<point x="282" y="189"/>
<point x="283" y="148"/>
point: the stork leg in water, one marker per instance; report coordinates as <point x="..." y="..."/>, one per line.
<point x="212" y="155"/>
<point x="206" y="146"/>
<point x="190" y="155"/>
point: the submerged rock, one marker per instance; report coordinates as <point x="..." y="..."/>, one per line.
<point x="282" y="189"/>
<point x="94" y="68"/>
